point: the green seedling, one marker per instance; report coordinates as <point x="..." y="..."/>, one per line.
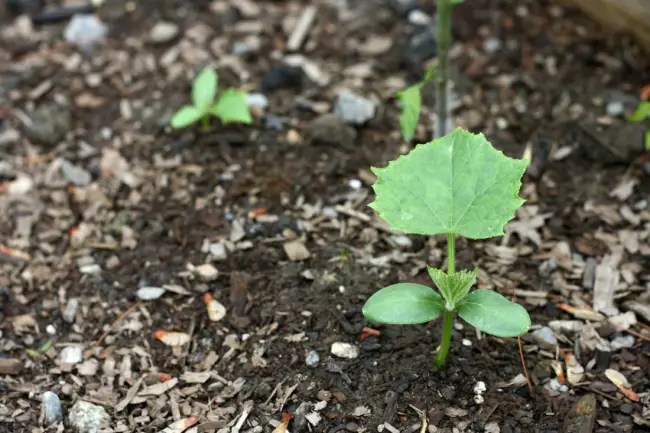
<point x="411" y="104"/>
<point x="642" y="114"/>
<point x="459" y="185"/>
<point x="230" y="106"/>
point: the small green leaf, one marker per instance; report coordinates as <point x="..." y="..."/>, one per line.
<point x="647" y="140"/>
<point x="494" y="314"/>
<point x="404" y="304"/>
<point x="411" y="102"/>
<point x="185" y="116"/>
<point x="428" y="75"/>
<point x="204" y="88"/>
<point x="456" y="184"/>
<point x="642" y="112"/>
<point x="453" y="287"/>
<point x="232" y="107"/>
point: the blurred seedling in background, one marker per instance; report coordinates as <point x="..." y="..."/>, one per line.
<point x="642" y="114"/>
<point x="229" y="107"/>
<point x="457" y="185"/>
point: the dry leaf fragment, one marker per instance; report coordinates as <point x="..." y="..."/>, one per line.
<point x="181" y="425"/>
<point x="216" y="311"/>
<point x="129" y="396"/>
<point x="582" y="313"/>
<point x="621" y="383"/>
<point x="159" y="388"/>
<point x="559" y="371"/>
<point x="282" y="428"/>
<point x="574" y="370"/>
<point x="195" y="377"/>
<point x="172" y="338"/>
<point x="296" y="250"/>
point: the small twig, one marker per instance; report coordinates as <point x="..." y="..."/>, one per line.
<point x="423" y="418"/>
<point x="629" y="331"/>
<point x="114" y="324"/>
<point x="521" y="352"/>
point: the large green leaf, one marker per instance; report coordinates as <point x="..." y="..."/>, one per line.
<point x="204" y="88"/>
<point x="453" y="287"/>
<point x="232" y="107"/>
<point x="411" y="102"/>
<point x="404" y="304"/>
<point x="494" y="314"/>
<point x="186" y="116"/>
<point x="456" y="184"/>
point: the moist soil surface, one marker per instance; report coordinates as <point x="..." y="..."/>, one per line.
<point x="102" y="199"/>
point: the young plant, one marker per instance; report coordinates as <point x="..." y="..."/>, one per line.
<point x="230" y="107"/>
<point x="459" y="185"/>
<point x="642" y="114"/>
<point x="411" y="104"/>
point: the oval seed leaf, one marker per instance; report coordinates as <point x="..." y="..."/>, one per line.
<point x="456" y="184"/>
<point x="642" y="112"/>
<point x="411" y="102"/>
<point x="204" y="88"/>
<point x="404" y="304"/>
<point x="232" y="107"/>
<point x="185" y="116"/>
<point x="494" y="314"/>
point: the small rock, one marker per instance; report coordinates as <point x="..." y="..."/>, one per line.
<point x="622" y="342"/>
<point x="149" y="293"/>
<point x="376" y="45"/>
<point x="404" y="7"/>
<point x="491" y="45"/>
<point x="480" y="387"/>
<point x="354" y="108"/>
<point x="299" y="422"/>
<point x="51" y="409"/>
<point x="86" y="417"/>
<point x="331" y="129"/>
<point x="555" y="385"/>
<point x="345" y="350"/>
<point x="402" y="241"/>
<point x="272" y="122"/>
<point x="419" y="18"/>
<point x="614" y="108"/>
<point x="282" y="76"/>
<point x="163" y="32"/>
<point x="492" y="427"/>
<point x="70" y="312"/>
<point x="545" y="338"/>
<point x="84" y="30"/>
<point x="455" y="412"/>
<point x="71" y="355"/>
<point x="421" y="46"/>
<point x="257" y="100"/>
<point x="49" y="124"/>
<point x="218" y="251"/>
<point x="582" y="417"/>
<point x="312" y="359"/>
<point x="589" y="275"/>
<point x="207" y="272"/>
<point x="74" y="174"/>
<point x="548" y="267"/>
<point x="296" y="250"/>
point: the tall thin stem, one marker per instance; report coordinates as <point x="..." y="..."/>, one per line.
<point x="451" y="253"/>
<point x="447" y="325"/>
<point x="447" y="316"/>
<point x="443" y="23"/>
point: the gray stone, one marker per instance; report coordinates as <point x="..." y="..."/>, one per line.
<point x="86" y="417"/>
<point x="353" y="108"/>
<point x="163" y="32"/>
<point x="70" y="312"/>
<point x="49" y="124"/>
<point x="545" y="338"/>
<point x="75" y="174"/>
<point x="331" y="129"/>
<point x="312" y="359"/>
<point x="51" y="409"/>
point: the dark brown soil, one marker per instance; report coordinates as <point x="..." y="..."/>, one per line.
<point x="552" y="62"/>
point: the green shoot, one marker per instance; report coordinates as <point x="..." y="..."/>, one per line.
<point x="230" y="107"/>
<point x="642" y="114"/>
<point x="458" y="185"/>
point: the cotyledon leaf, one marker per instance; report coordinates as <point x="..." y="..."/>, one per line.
<point x="456" y="184"/>
<point x="493" y="314"/>
<point x="404" y="304"/>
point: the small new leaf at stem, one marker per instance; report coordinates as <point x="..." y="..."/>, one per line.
<point x="232" y="107"/>
<point x="411" y="102"/>
<point x="186" y="116"/>
<point x="404" y="304"/>
<point x="456" y="184"/>
<point x="642" y="112"/>
<point x="453" y="287"/>
<point x="204" y="88"/>
<point x="493" y="314"/>
<point x="647" y="140"/>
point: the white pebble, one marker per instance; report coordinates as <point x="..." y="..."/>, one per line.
<point x="480" y="387"/>
<point x="71" y="355"/>
<point x="466" y="342"/>
<point x="355" y="183"/>
<point x="50" y="329"/>
<point x="344" y="350"/>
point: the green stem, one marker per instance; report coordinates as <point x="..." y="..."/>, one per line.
<point x="451" y="252"/>
<point x="205" y="122"/>
<point x="447" y="325"/>
<point x="443" y="23"/>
